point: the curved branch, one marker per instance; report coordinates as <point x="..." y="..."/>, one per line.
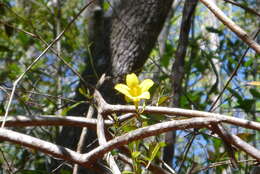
<point x="87" y="159"/>
<point x="231" y="25"/>
<point x="41" y="145"/>
<point x="142" y="133"/>
<point x="107" y="108"/>
<point x="51" y="120"/>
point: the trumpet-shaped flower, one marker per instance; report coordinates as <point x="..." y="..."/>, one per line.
<point x="134" y="91"/>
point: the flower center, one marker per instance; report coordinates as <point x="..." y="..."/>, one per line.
<point x="135" y="91"/>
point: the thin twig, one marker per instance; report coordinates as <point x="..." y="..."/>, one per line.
<point x="232" y="75"/>
<point x="41" y="94"/>
<point x="231" y="25"/>
<point x="250" y="10"/>
<point x="83" y="137"/>
<point x="84" y="132"/>
<point x="186" y="150"/>
<point x="10" y="171"/>
<point x="216" y="164"/>
<point x="37" y="36"/>
<point x="38" y="58"/>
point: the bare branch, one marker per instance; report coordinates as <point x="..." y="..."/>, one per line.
<point x="142" y="133"/>
<point x="102" y="140"/>
<point x="87" y="159"/>
<point x="239" y="143"/>
<point x="231" y="25"/>
<point x="43" y="146"/>
<point x="180" y="112"/>
<point x="250" y="10"/>
<point x="51" y="120"/>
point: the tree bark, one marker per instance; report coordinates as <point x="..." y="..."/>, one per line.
<point x="120" y="44"/>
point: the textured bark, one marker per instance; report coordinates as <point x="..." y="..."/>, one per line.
<point x="178" y="71"/>
<point x="134" y="32"/>
<point x="120" y="44"/>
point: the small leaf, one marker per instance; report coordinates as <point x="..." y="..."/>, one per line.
<point x="128" y="128"/>
<point x="65" y="110"/>
<point x="135" y="154"/>
<point x="255" y="93"/>
<point x="85" y="93"/>
<point x="246" y="136"/>
<point x="127" y="172"/>
<point x="162" y="100"/>
<point x="214" y="30"/>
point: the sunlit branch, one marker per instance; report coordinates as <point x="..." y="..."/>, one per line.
<point x="108" y="109"/>
<point x="51" y="120"/>
<point x="231" y="25"/>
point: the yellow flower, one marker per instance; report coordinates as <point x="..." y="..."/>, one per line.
<point x="134" y="91"/>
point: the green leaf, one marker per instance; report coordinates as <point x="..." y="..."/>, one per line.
<point x="4" y="48"/>
<point x="255" y="93"/>
<point x="85" y="93"/>
<point x="246" y="104"/>
<point x="65" y="110"/>
<point x="162" y="100"/>
<point x="214" y="30"/>
<point x="236" y="94"/>
<point x="246" y="136"/>
<point x="128" y="128"/>
<point x="135" y="154"/>
<point x="127" y="172"/>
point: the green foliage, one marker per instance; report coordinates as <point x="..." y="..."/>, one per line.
<point x="39" y="91"/>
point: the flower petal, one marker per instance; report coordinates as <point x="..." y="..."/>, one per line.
<point x="132" y="80"/>
<point x="146" y="85"/>
<point x="144" y="95"/>
<point x="123" y="89"/>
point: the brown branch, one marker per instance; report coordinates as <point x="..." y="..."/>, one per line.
<point x="83" y="137"/>
<point x="102" y="140"/>
<point x="244" y="7"/>
<point x="142" y="133"/>
<point x="224" y="134"/>
<point x="180" y="112"/>
<point x="87" y="159"/>
<point x="234" y="73"/>
<point x="40" y="145"/>
<point x="51" y="120"/>
<point x="15" y="121"/>
<point x="239" y="143"/>
<point x="231" y="25"/>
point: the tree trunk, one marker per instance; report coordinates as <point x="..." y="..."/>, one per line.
<point x="120" y="44"/>
<point x="178" y="72"/>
